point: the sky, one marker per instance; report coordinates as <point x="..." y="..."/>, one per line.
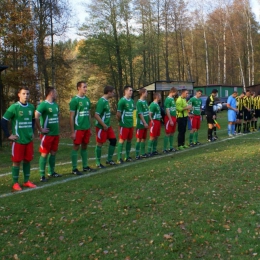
<point x="80" y="14"/>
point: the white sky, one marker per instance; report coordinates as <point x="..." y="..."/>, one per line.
<point x="80" y="14"/>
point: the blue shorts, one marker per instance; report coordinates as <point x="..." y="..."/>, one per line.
<point x="232" y="116"/>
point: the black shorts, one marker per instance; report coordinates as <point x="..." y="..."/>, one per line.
<point x="257" y="113"/>
<point x="240" y="115"/>
<point x="210" y="119"/>
<point x="247" y="115"/>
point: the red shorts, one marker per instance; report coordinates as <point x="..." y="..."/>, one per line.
<point x="195" y="122"/>
<point x="126" y="133"/>
<point x="82" y="136"/>
<point x="155" y="128"/>
<point x="168" y="128"/>
<point x="141" y="133"/>
<point x="102" y="135"/>
<point x="22" y="152"/>
<point x="49" y="143"/>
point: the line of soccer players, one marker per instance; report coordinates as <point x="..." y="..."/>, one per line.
<point x="23" y="116"/>
<point x="248" y="105"/>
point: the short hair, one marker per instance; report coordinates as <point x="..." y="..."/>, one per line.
<point x="245" y="92"/>
<point x="79" y="84"/>
<point x="183" y="90"/>
<point x="48" y="90"/>
<point x="127" y="87"/>
<point x="142" y="91"/>
<point x="23" y="88"/>
<point x="214" y="91"/>
<point x="108" y="89"/>
<point x="234" y="92"/>
<point x="248" y="91"/>
<point x="173" y="90"/>
<point x="156" y="95"/>
<point x="199" y="90"/>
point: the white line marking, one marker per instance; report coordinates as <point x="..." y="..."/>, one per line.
<point x="65" y="163"/>
<point x="108" y="169"/>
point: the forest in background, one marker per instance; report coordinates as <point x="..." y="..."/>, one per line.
<point x="126" y="42"/>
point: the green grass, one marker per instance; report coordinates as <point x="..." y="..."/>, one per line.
<point x="202" y="203"/>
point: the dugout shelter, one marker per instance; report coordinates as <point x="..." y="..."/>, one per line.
<point x="163" y="86"/>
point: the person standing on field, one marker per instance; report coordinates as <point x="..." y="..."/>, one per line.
<point x="80" y="124"/>
<point x="47" y="123"/>
<point x="124" y="115"/>
<point x="232" y="113"/>
<point x="143" y="119"/>
<point x="182" y="117"/>
<point x="170" y="120"/>
<point x="195" y="117"/>
<point x="211" y="114"/>
<point x="21" y="115"/>
<point x="104" y="130"/>
<point x="155" y="124"/>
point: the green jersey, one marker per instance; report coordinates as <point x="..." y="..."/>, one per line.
<point x="103" y="110"/>
<point x="196" y="106"/>
<point x="169" y="104"/>
<point x="21" y="117"/>
<point x="81" y="106"/>
<point x="126" y="107"/>
<point x="155" y="111"/>
<point x="142" y="109"/>
<point x="49" y="117"/>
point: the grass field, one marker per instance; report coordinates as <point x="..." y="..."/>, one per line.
<point x="200" y="203"/>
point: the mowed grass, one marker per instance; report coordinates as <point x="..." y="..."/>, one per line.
<point x="202" y="203"/>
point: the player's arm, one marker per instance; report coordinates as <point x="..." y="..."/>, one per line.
<point x="38" y="125"/>
<point x="4" y="125"/>
<point x="72" y="129"/>
<point x="98" y="118"/>
<point x="120" y="108"/>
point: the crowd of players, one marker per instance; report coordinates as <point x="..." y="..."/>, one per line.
<point x="178" y="113"/>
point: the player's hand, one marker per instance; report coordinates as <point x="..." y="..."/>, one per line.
<point x="13" y="137"/>
<point x="105" y="127"/>
<point x="214" y="117"/>
<point x="171" y="123"/>
<point x="73" y="136"/>
<point x="146" y="125"/>
<point x="189" y="107"/>
<point x="45" y="130"/>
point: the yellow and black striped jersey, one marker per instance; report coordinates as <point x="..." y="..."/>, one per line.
<point x="257" y="102"/>
<point x="247" y="102"/>
<point x="240" y="103"/>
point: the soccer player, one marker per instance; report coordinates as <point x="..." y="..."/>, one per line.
<point x="104" y="130"/>
<point x="182" y="117"/>
<point x="143" y="119"/>
<point x="240" y="107"/>
<point x="254" y="108"/>
<point x="47" y="123"/>
<point x="170" y="120"/>
<point x="155" y="124"/>
<point x="124" y="115"/>
<point x="211" y="114"/>
<point x="257" y="109"/>
<point x="80" y="124"/>
<point x="195" y="117"/>
<point x="232" y="113"/>
<point x="247" y="112"/>
<point x="21" y="115"/>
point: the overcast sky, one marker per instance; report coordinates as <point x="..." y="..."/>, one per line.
<point x="80" y="14"/>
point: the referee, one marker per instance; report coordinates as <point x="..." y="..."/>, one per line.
<point x="210" y="113"/>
